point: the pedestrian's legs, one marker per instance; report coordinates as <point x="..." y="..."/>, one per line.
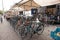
<point x="1" y="20"/>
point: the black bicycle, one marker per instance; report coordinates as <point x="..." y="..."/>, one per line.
<point x="31" y="29"/>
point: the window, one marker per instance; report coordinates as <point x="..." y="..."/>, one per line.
<point x="20" y="12"/>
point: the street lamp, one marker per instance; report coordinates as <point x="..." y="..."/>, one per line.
<point x="3" y="6"/>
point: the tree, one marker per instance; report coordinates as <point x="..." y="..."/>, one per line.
<point x="1" y="12"/>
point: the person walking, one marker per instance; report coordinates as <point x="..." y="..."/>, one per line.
<point x="1" y="19"/>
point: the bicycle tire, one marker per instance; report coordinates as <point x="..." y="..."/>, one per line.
<point x="41" y="30"/>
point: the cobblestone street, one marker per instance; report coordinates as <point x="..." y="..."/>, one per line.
<point x="7" y="32"/>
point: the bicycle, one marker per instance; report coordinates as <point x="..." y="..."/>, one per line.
<point x="28" y="29"/>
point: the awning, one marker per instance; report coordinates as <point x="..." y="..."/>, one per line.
<point x="47" y="2"/>
<point x="27" y="5"/>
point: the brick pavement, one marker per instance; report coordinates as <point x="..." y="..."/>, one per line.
<point x="7" y="32"/>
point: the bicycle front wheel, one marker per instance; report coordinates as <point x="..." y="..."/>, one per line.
<point x="40" y="29"/>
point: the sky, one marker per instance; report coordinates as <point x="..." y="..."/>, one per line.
<point x="9" y="3"/>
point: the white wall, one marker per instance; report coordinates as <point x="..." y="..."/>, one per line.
<point x="27" y="13"/>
